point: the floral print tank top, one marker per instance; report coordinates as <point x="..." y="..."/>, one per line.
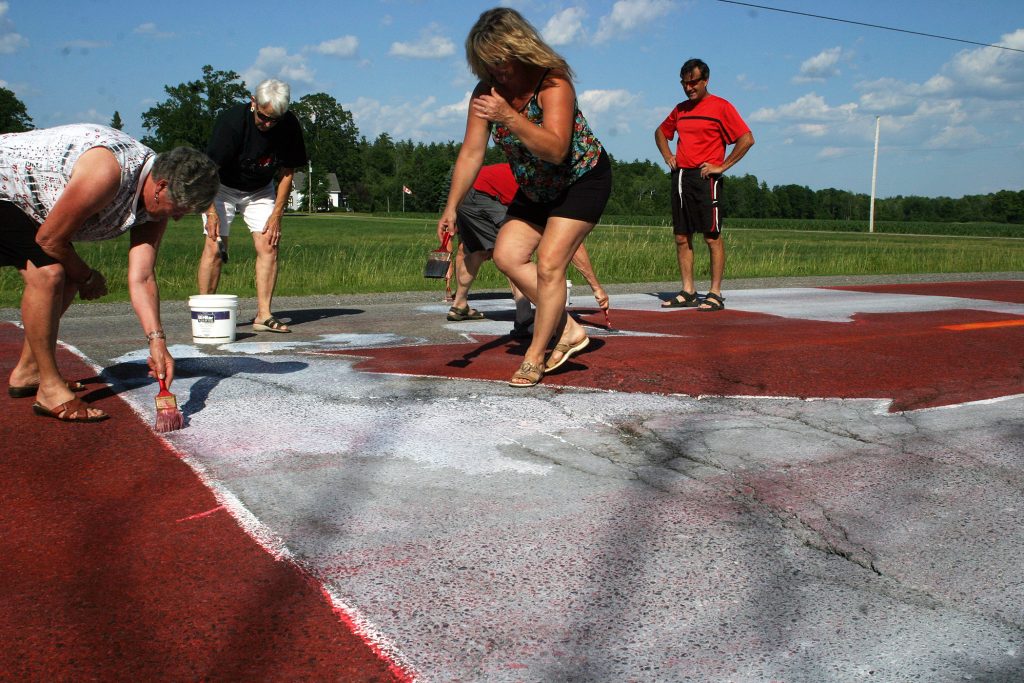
<point x="542" y="180"/>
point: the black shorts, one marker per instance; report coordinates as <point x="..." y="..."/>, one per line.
<point x="584" y="200"/>
<point x="478" y="218"/>
<point x="695" y="206"/>
<point x="18" y="239"/>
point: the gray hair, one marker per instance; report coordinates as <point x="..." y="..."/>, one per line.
<point x="191" y="176"/>
<point x="275" y="94"/>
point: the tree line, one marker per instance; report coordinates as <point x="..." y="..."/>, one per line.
<point x="372" y="173"/>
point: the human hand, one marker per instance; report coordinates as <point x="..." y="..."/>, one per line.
<point x="602" y="298"/>
<point x="161" y="364"/>
<point x="273" y="230"/>
<point x="94" y="287"/>
<point x="492" y="107"/>
<point x="445" y="225"/>
<point x="707" y="169"/>
<point x="213" y="226"/>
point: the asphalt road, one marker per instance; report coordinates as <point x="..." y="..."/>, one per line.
<point x="824" y="482"/>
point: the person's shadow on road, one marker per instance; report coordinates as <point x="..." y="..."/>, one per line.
<point x="210" y="371"/>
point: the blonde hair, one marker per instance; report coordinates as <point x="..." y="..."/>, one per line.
<point x="503" y="35"/>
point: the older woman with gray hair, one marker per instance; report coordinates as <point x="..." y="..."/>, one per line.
<point x="253" y="143"/>
<point x="87" y="182"/>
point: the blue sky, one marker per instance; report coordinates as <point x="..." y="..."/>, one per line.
<point x="951" y="116"/>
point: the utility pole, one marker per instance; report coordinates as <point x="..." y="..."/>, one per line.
<point x="310" y="187"/>
<point x="874" y="178"/>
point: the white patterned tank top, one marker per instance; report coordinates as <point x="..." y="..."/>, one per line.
<point x="35" y="168"/>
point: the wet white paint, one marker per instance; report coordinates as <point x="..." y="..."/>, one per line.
<point x="469" y="521"/>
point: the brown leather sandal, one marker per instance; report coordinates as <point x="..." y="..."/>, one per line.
<point x="75" y="410"/>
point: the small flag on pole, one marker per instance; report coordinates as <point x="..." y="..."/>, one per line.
<point x="406" y="190"/>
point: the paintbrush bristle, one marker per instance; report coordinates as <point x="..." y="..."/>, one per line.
<point x="168" y="417"/>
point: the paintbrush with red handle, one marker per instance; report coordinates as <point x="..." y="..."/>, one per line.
<point x="168" y="417"/>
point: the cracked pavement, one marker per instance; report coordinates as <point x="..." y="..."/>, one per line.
<point x="582" y="534"/>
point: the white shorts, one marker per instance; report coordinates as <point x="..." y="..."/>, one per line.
<point x="255" y="208"/>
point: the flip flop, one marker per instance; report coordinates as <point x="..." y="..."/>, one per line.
<point x="567" y="352"/>
<point x="74" y="410"/>
<point x="30" y="390"/>
<point x="271" y="324"/>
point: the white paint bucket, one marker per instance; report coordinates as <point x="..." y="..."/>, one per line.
<point x="213" y="318"/>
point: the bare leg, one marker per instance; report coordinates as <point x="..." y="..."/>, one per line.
<point x="684" y="252"/>
<point x="466" y="268"/>
<point x="266" y="275"/>
<point x="41" y="306"/>
<point x="716" y="249"/>
<point x="542" y="282"/>
<point x="581" y="260"/>
<point x="209" y="266"/>
<point x="26" y="371"/>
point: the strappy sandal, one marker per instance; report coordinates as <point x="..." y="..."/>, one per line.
<point x="712" y="302"/>
<point x="466" y="313"/>
<point x="567" y="352"/>
<point x="75" y="410"/>
<point x="688" y="300"/>
<point x="271" y="324"/>
<point x="529" y="372"/>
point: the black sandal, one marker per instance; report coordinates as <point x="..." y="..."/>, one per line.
<point x="689" y="300"/>
<point x="712" y="302"/>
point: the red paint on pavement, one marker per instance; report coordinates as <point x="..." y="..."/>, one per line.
<point x="1010" y="291"/>
<point x="113" y="570"/>
<point x="906" y="357"/>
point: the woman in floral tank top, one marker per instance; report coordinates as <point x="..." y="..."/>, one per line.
<point x="526" y="102"/>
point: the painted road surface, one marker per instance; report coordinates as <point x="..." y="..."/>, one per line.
<point x="815" y="484"/>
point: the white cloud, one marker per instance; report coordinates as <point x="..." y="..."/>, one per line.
<point x="809" y="107"/>
<point x="422" y="120"/>
<point x="956" y="137"/>
<point x="431" y="45"/>
<point x="149" y="29"/>
<point x="833" y="152"/>
<point x="10" y="40"/>
<point x="628" y="15"/>
<point x="990" y="72"/>
<point x="344" y="46"/>
<point x="598" y="101"/>
<point x="821" y="66"/>
<point x="565" y="27"/>
<point x="275" y="62"/>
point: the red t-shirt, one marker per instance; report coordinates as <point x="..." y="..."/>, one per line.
<point x="497" y="180"/>
<point x="705" y="128"/>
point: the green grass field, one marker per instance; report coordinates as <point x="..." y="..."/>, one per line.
<point x="346" y="254"/>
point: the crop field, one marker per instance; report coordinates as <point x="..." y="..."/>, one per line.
<point x="354" y="253"/>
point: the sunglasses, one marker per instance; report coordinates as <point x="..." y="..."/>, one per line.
<point x="266" y="119"/>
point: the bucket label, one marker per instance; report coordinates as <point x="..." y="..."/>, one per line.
<point x="210" y="316"/>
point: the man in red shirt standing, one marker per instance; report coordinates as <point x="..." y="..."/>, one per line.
<point x="706" y="124"/>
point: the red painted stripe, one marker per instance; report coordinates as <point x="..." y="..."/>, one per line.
<point x="103" y="581"/>
<point x="1011" y="291"/>
<point x="906" y="357"/>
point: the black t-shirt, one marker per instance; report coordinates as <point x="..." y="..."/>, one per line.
<point x="248" y="158"/>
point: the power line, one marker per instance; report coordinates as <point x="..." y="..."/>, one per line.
<point x="861" y="23"/>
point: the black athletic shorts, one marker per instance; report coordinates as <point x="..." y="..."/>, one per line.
<point x="695" y="206"/>
<point x="584" y="200"/>
<point x="18" y="239"/>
